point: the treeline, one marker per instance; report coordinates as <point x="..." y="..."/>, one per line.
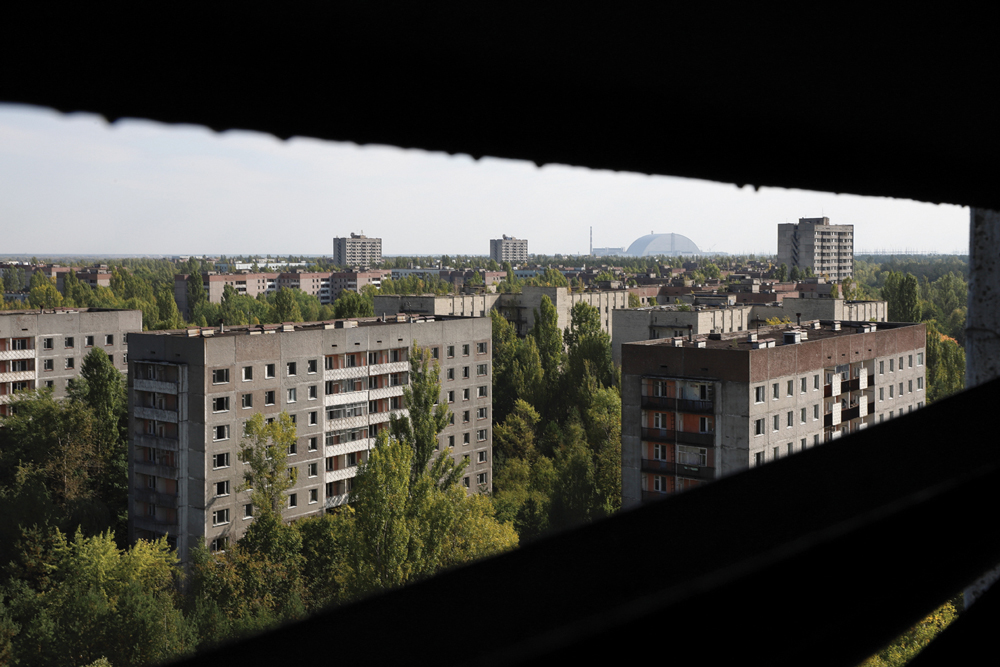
<point x="148" y="285"/>
<point x="933" y="290"/>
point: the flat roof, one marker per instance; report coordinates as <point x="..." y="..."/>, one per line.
<point x="742" y="339"/>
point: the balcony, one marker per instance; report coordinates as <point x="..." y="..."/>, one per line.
<point x="155" y="469"/>
<point x="155" y="442"/>
<point x="17" y="376"/>
<point x="155" y="386"/>
<point x="337" y="501"/>
<point x="158" y="498"/>
<point x="156" y="414"/>
<point x="668" y="435"/>
<point x="8" y="355"/>
<point x="659" y="434"/>
<point x="679" y="469"/>
<point x="156" y="524"/>
<point x="659" y="402"/>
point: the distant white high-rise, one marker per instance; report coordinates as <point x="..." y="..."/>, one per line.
<point x="358" y="250"/>
<point x="509" y="249"/>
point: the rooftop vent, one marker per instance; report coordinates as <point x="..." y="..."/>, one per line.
<point x="752" y="337"/>
<point x="835" y="326"/>
<point x="792" y="337"/>
<point x="699" y="343"/>
<point x="715" y="335"/>
<point x="288" y="327"/>
<point x="677" y="342"/>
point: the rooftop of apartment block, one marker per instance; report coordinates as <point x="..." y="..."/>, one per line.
<point x="62" y="311"/>
<point x="258" y="329"/>
<point x="775" y="335"/>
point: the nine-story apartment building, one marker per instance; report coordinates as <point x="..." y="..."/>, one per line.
<point x="191" y="391"/>
<point x="699" y="408"/>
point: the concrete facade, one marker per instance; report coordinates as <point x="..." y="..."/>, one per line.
<point x="357" y="250"/>
<point x="815" y="243"/>
<point x="694" y="411"/>
<point x="519" y="309"/>
<point x="190" y="392"/>
<point x="508" y="249"/>
<point x="651" y="323"/>
<point x="47" y="348"/>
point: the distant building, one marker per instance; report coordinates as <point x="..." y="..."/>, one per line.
<point x="47" y="348"/>
<point x="357" y="250"/>
<point x="607" y="252"/>
<point x="509" y="249"/>
<point x="816" y="244"/>
<point x="518" y="308"/>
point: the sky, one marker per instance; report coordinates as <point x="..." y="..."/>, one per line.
<point x="74" y="184"/>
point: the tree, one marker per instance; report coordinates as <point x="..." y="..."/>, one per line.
<point x="195" y="290"/>
<point x="782" y="273"/>
<point x="911" y="642"/>
<point x="264" y="448"/>
<point x="102" y="602"/>
<point x="901" y="292"/>
<point x="398" y="530"/>
<point x="170" y="317"/>
<point x="44" y="294"/>
<point x="795" y="274"/>
<point x="633" y="301"/>
<point x="102" y="388"/>
<point x="549" y="341"/>
<point x="515" y="437"/>
<point x="428" y="416"/>
<point x="353" y="304"/>
<point x="286" y="306"/>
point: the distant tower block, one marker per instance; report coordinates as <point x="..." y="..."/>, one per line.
<point x="357" y="250"/>
<point x="509" y="249"/>
<point x="815" y="243"/>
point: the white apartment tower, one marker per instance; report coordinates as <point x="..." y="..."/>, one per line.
<point x="509" y="249"/>
<point x="815" y="243"/>
<point x="357" y="250"/>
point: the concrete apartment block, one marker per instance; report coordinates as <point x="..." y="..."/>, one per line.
<point x="815" y="243"/>
<point x="508" y="249"/>
<point x="636" y="324"/>
<point x="519" y="309"/>
<point x="357" y="250"/>
<point x="190" y="392"/>
<point x="696" y="410"/>
<point x="46" y="348"/>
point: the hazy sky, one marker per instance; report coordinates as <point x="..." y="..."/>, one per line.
<point x="72" y="184"/>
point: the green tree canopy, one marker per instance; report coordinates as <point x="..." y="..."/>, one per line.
<point x="428" y="416"/>
<point x="264" y="448"/>
<point x="353" y="304"/>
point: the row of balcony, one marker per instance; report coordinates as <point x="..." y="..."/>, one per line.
<point x="681" y="404"/>
<point x="679" y="469"/>
<point x="669" y="435"/>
